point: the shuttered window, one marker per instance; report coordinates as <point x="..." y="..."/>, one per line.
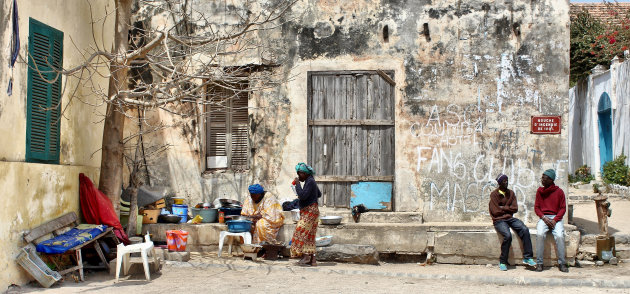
<point x="227" y="128"/>
<point x="45" y="48"/>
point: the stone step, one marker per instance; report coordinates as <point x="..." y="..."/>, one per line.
<point x="623" y="251"/>
<point x="591" y="239"/>
<point x="368" y="217"/>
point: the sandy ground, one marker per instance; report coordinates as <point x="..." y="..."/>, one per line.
<point x="208" y="274"/>
<point x="585" y="217"/>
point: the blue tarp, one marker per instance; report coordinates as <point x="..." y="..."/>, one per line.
<point x="76" y="236"/>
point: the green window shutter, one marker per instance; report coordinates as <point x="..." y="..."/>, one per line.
<point x="44" y="98"/>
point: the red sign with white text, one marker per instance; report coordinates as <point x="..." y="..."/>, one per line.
<point x="546" y="124"/>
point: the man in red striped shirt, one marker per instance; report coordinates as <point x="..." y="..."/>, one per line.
<point x="550" y="206"/>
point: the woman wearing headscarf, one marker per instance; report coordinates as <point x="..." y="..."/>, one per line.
<point x="265" y="212"/>
<point x="303" y="241"/>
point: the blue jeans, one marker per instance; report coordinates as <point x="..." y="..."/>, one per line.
<point x="503" y="227"/>
<point x="558" y="235"/>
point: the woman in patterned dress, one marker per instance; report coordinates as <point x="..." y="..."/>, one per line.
<point x="266" y="214"/>
<point x="303" y="241"/>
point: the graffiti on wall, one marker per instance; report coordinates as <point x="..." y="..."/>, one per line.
<point x="465" y="180"/>
<point x="468" y="183"/>
<point x="454" y="126"/>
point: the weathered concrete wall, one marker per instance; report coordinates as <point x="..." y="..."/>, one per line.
<point x="33" y="195"/>
<point x="79" y="143"/>
<point x="468" y="78"/>
<point x="36" y="193"/>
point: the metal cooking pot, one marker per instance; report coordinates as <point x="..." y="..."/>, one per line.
<point x="237" y="217"/>
<point x="169" y="218"/>
<point x="331" y="220"/>
<point x="218" y="203"/>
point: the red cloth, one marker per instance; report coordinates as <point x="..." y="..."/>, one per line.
<point x="98" y="209"/>
<point x="550" y="201"/>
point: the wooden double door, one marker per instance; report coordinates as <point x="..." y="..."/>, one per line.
<point x="350" y="131"/>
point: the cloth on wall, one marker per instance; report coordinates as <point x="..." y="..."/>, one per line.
<point x="15" y="45"/>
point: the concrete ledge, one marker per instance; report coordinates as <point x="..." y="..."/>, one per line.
<point x="460" y="243"/>
<point x="461" y="247"/>
<point x="362" y="254"/>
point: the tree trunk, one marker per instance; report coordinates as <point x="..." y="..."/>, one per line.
<point x="133" y="212"/>
<point x="110" y="181"/>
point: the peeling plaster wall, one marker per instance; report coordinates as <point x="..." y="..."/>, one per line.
<point x="36" y="193"/>
<point x="469" y="74"/>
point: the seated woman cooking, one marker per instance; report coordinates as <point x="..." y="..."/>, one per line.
<point x="265" y="212"/>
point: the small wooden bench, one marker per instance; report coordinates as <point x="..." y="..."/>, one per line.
<point x="55" y="227"/>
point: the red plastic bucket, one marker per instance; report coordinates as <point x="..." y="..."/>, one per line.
<point x="176" y="240"/>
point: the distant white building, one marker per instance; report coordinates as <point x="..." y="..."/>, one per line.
<point x="599" y="118"/>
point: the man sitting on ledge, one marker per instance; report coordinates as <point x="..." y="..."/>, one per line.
<point x="550" y="206"/>
<point x="503" y="206"/>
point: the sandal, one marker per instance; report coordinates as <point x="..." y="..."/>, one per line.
<point x="304" y="261"/>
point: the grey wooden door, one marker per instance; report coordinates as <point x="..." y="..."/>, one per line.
<point x="351" y="131"/>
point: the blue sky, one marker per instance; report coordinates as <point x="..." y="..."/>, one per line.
<point x="595" y="1"/>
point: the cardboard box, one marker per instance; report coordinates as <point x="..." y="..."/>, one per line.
<point x="150" y="216"/>
<point x="160" y="203"/>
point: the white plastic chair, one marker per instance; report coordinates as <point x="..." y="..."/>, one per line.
<point x="122" y="255"/>
<point x="247" y="239"/>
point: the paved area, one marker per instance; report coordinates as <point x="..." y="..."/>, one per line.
<point x="206" y="273"/>
<point x="585" y="217"/>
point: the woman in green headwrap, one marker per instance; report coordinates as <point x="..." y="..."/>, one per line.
<point x="303" y="241"/>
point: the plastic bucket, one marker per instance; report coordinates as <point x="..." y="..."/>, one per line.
<point x="209" y="215"/>
<point x="176" y="240"/>
<point x="181" y="210"/>
<point x="178" y="201"/>
<point x="170" y="241"/>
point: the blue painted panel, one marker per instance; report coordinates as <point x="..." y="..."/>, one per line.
<point x="374" y="195"/>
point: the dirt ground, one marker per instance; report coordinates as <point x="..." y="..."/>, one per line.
<point x="206" y="273"/>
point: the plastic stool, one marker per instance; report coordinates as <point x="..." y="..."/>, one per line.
<point x="247" y="239"/>
<point x="122" y="255"/>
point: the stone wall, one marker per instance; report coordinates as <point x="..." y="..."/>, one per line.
<point x="468" y="75"/>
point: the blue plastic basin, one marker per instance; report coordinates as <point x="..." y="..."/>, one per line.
<point x="239" y="226"/>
